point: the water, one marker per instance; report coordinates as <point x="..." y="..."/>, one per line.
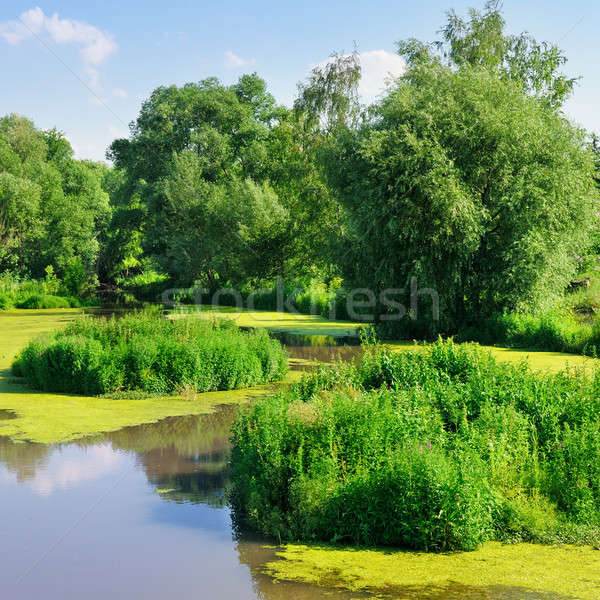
<point x="139" y="513"/>
<point x="307" y="351"/>
<point x="142" y="513"/>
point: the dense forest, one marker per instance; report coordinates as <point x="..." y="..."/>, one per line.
<point x="465" y="175"/>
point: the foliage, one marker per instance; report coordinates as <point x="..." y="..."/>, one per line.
<point x="438" y="449"/>
<point x="217" y="184"/>
<point x="143" y="351"/>
<point x="46" y="301"/>
<point x="52" y="208"/>
<point x="559" y="330"/>
<point x="481" y="41"/>
<point x="329" y="99"/>
<point x="450" y="184"/>
<point x="16" y="292"/>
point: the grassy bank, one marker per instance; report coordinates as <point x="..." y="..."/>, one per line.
<point x="561" y="330"/>
<point x="440" y="449"/>
<point x="147" y="353"/>
<point x="36" y="294"/>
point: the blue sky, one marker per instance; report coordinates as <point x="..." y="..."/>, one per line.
<point x="85" y="67"/>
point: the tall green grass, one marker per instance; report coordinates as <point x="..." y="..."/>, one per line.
<point x="144" y="351"/>
<point x="559" y="331"/>
<point x="436" y="450"/>
<point x="16" y="292"/>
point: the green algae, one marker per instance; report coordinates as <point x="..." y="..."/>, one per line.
<point x="493" y="571"/>
<point x="49" y="418"/>
<point x="279" y="321"/>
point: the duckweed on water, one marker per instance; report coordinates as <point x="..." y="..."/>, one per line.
<point x="275" y="321"/>
<point x="494" y="571"/>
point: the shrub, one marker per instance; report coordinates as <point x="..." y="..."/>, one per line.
<point x="44" y="301"/>
<point x="33" y="294"/>
<point x="6" y="302"/>
<point x="559" y="331"/>
<point x="144" y="351"/>
<point x="435" y="449"/>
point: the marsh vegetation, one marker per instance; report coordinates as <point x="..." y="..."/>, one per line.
<point x="146" y="352"/>
<point x="441" y="449"/>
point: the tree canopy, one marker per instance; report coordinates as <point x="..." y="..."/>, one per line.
<point x="53" y="209"/>
<point x="228" y="185"/>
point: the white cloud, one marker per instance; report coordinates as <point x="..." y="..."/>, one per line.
<point x="378" y="69"/>
<point x="69" y="467"/>
<point x="119" y="93"/>
<point x="233" y="61"/>
<point x="96" y="45"/>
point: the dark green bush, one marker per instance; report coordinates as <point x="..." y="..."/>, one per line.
<point x="38" y="301"/>
<point x="146" y="352"/>
<point x="419" y="499"/>
<point x="438" y="449"/>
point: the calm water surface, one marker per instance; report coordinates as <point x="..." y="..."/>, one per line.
<point x="139" y="513"/>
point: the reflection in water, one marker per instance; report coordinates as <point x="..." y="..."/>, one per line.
<point x="90" y="512"/>
<point x="184" y="458"/>
<point x="23" y="460"/>
<point x="306" y="351"/>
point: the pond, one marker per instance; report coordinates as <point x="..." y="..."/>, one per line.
<point x="139" y="513"/>
<point x="142" y="513"/>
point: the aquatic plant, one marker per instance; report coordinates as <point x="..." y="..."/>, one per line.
<point x="144" y="351"/>
<point x="437" y="449"/>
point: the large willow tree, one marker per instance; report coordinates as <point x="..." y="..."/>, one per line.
<point x="468" y="177"/>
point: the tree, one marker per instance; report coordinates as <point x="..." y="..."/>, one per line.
<point x="19" y="208"/>
<point x="463" y="180"/>
<point x="329" y="99"/>
<point x="52" y="207"/>
<point x="481" y="41"/>
<point x="218" y="170"/>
